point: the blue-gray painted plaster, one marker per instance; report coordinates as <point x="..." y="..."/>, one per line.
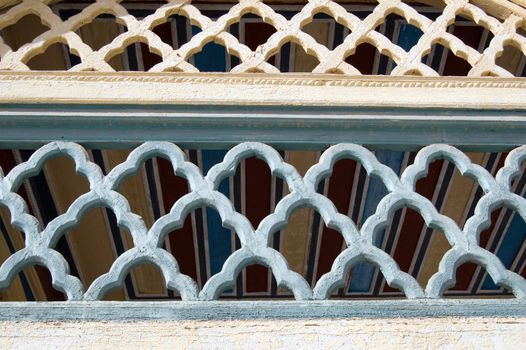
<point x="250" y="310"/>
<point x="118" y="126"/>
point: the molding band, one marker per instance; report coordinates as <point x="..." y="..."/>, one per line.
<point x="262" y="90"/>
<point x="257" y="310"/>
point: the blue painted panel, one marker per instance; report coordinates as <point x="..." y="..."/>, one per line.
<point x="212" y="58"/>
<point x="362" y="274"/>
<point x="408" y="36"/>
<point x="219" y="238"/>
<point x="509" y="247"/>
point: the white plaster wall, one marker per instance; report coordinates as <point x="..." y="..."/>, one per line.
<point x="413" y="333"/>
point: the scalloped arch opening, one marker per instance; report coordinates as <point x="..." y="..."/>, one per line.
<point x="397" y="29"/>
<point x="441" y="59"/>
<point x="472" y="279"/>
<point x="364" y="281"/>
<point x="476" y="36"/>
<point x="512" y="59"/>
<point x="56" y="56"/>
<point x="451" y="193"/>
<point x="506" y="238"/>
<point x="292" y="57"/>
<point x="8" y="160"/>
<point x="54" y="188"/>
<point x="413" y="245"/>
<point x="11" y="239"/>
<point x="173" y="30"/>
<point x="366" y="191"/>
<point x="259" y="30"/>
<point x="212" y="57"/>
<point x="353" y="191"/>
<point x="254" y="189"/>
<point x="153" y="189"/>
<point x="101" y="31"/>
<point x="142" y="283"/>
<point x="202" y="244"/>
<point x="300" y="60"/>
<point x="329" y="30"/>
<point x="256" y="281"/>
<point x="136" y="56"/>
<point x="307" y="244"/>
<point x="23" y="31"/>
<point x="183" y="26"/>
<point x="33" y="283"/>
<point x="96" y="231"/>
<point x="325" y="30"/>
<point x="366" y="59"/>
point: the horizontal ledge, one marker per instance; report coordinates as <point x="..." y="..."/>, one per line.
<point x="262" y="89"/>
<point x="287" y="127"/>
<point x="246" y="310"/>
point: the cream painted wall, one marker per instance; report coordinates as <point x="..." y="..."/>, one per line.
<point x="383" y="333"/>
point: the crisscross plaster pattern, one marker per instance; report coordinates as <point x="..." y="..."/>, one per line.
<point x="255" y="242"/>
<point x="330" y="61"/>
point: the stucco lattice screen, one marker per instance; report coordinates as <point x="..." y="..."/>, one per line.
<point x="256" y="242"/>
<point x="505" y="33"/>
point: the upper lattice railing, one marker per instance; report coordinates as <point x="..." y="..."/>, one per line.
<point x="505" y="32"/>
